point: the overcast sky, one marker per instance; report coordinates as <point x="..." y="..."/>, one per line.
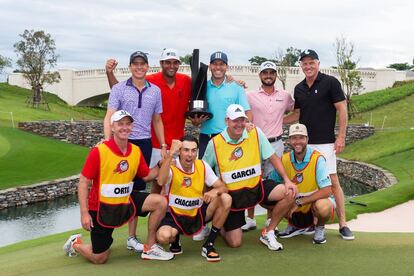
<point x="88" y="32"/>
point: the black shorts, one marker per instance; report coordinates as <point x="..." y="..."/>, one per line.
<point x="146" y="148"/>
<point x="268" y="186"/>
<point x="169" y="220"/>
<point x="234" y="220"/>
<point x="302" y="220"/>
<point x="101" y="237"/>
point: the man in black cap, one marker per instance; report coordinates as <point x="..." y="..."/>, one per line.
<point x="317" y="99"/>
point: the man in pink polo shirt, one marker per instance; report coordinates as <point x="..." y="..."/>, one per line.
<point x="268" y="105"/>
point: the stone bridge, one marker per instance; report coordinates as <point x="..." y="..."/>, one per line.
<point x="90" y="87"/>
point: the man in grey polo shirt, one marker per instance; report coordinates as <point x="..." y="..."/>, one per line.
<point x="142" y="100"/>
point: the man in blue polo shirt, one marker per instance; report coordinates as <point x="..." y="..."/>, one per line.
<point x="220" y="94"/>
<point x="142" y="100"/>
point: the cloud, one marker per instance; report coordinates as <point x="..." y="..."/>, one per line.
<point x="89" y="32"/>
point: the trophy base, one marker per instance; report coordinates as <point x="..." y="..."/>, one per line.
<point x="193" y="113"/>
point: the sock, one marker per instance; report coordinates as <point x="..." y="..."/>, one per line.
<point x="177" y="239"/>
<point x="212" y="237"/>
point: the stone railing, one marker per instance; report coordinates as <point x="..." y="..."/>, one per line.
<point x="368" y="174"/>
<point x="38" y="192"/>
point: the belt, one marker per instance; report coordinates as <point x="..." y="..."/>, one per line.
<point x="274" y="139"/>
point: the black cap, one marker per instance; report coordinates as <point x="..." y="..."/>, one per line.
<point x="309" y="53"/>
<point x="137" y="54"/>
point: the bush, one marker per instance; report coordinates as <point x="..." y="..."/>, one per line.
<point x="378" y="98"/>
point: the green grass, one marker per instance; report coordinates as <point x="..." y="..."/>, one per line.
<point x="369" y="254"/>
<point x="27" y="158"/>
<point x="12" y="99"/>
<point x="378" y="98"/>
<point x="396" y="114"/>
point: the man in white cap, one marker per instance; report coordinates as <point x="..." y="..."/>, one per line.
<point x="314" y="203"/>
<point x="111" y="202"/>
<point x="268" y="105"/>
<point x="236" y="155"/>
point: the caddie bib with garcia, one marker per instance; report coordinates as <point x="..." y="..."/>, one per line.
<point x="240" y="169"/>
<point x="115" y="206"/>
<point x="305" y="179"/>
<point x="185" y="198"/>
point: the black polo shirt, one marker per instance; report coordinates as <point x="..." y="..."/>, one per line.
<point x="317" y="110"/>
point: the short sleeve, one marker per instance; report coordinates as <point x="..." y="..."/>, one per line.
<point x="90" y="169"/>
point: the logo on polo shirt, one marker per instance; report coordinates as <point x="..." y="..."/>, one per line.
<point x="122" y="167"/>
<point x="236" y="154"/>
<point x="186" y="182"/>
<point x="298" y="178"/>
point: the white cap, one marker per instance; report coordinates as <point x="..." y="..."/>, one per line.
<point x="118" y="115"/>
<point x="298" y="129"/>
<point x="235" y="111"/>
<point x="169" y="53"/>
<point x="267" y="65"/>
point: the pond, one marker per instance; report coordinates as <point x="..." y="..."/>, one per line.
<point x="60" y="215"/>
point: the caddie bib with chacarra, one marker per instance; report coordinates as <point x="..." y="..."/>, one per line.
<point x="185" y="198"/>
<point x="115" y="206"/>
<point x="240" y="169"/>
<point x="305" y="179"/>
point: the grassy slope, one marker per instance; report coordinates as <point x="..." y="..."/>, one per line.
<point x="12" y="99"/>
<point x="392" y="149"/>
<point x="51" y="159"/>
<point x="364" y="256"/>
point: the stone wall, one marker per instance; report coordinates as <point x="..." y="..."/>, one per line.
<point x="368" y="174"/>
<point x="38" y="192"/>
<point x="84" y="133"/>
<point x="88" y="133"/>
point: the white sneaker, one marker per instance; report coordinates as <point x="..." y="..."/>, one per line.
<point x="250" y="224"/>
<point x="267" y="223"/>
<point x="268" y="238"/>
<point x="200" y="236"/>
<point x="156" y="252"/>
<point x="68" y="246"/>
<point x="133" y="243"/>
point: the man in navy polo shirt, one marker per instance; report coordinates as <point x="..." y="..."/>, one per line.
<point x="142" y="100"/>
<point x="317" y="99"/>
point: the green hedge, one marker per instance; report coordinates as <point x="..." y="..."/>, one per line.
<point x="369" y="101"/>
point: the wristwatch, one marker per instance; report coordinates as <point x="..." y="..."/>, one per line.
<point x="298" y="202"/>
<point x="163" y="145"/>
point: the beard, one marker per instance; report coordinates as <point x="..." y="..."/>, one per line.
<point x="264" y="83"/>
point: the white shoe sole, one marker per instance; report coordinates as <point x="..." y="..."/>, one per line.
<point x="293" y="234"/>
<point x="248" y="229"/>
<point x="135" y="250"/>
<point x="322" y="242"/>
<point x="268" y="246"/>
<point x="157" y="258"/>
<point x="348" y="238"/>
<point x="208" y="259"/>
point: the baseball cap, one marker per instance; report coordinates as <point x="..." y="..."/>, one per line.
<point x="219" y="56"/>
<point x="298" y="129"/>
<point x="118" y="115"/>
<point x="309" y="53"/>
<point x="137" y="54"/>
<point x="267" y="65"/>
<point x="169" y="53"/>
<point x="235" y="111"/>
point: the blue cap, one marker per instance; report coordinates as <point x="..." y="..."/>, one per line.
<point x="138" y="54"/>
<point x="218" y="56"/>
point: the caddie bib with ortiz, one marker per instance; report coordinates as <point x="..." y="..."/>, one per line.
<point x="115" y="207"/>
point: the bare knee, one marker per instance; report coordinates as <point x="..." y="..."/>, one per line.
<point x="226" y="200"/>
<point x="164" y="236"/>
<point x="99" y="258"/>
<point x="234" y="243"/>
